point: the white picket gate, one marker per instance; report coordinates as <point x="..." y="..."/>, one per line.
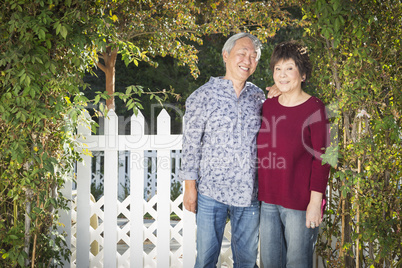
<point x="113" y="233"/>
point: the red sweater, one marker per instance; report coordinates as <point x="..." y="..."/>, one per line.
<point x="290" y="143"/>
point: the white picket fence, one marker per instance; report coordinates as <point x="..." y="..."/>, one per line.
<point x="114" y="233"/>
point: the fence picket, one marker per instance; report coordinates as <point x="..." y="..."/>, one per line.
<point x="110" y="191"/>
<point x="137" y="212"/>
<point x="137" y="193"/>
<point x="163" y="187"/>
<point x="83" y="212"/>
<point x="65" y="216"/>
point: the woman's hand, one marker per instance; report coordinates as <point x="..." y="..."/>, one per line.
<point x="313" y="213"/>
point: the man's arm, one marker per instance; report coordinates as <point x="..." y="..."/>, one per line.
<point x="191" y="153"/>
<point x="273" y="91"/>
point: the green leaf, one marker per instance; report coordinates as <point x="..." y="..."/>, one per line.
<point x="41" y="34"/>
<point x="337" y="24"/>
<point x="22" y="78"/>
<point x="32" y="93"/>
<point x="129" y="103"/>
<point x="48" y="44"/>
<point x="139" y="105"/>
<point x="21" y="260"/>
<point x="359" y="33"/>
<point x="52" y="68"/>
<point x="63" y="32"/>
<point x="336" y="5"/>
<point x="97" y="99"/>
<point x="57" y="26"/>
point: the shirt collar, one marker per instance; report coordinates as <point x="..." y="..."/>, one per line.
<point x="227" y="84"/>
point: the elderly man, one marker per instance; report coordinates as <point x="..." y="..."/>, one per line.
<point x="219" y="156"/>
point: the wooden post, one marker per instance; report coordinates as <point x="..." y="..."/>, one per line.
<point x="83" y="205"/>
<point x="137" y="192"/>
<point x="83" y="211"/>
<point x="110" y="190"/>
<point x="163" y="188"/>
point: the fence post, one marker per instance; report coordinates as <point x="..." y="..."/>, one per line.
<point x="83" y="211"/>
<point x="137" y="194"/>
<point x="189" y="240"/>
<point x="110" y="190"/>
<point x="83" y="205"/>
<point x="163" y="188"/>
<point x="65" y="217"/>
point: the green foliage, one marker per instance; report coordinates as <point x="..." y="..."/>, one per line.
<point x="168" y="28"/>
<point x="46" y="46"/>
<point x="42" y="60"/>
<point x="146" y="30"/>
<point x="97" y="190"/>
<point x="356" y="51"/>
<point x="176" y="190"/>
<point x="169" y="76"/>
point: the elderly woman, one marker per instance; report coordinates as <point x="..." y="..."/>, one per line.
<point x="291" y="177"/>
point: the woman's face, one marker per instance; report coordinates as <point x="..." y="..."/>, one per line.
<point x="287" y="76"/>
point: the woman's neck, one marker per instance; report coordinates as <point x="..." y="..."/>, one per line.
<point x="293" y="98"/>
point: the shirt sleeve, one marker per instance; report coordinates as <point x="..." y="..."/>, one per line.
<point x="194" y="126"/>
<point x="320" y="137"/>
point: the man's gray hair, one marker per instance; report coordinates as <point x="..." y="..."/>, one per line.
<point x="230" y="43"/>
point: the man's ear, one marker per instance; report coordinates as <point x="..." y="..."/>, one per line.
<point x="225" y="56"/>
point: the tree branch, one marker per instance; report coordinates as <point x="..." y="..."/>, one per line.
<point x="101" y="66"/>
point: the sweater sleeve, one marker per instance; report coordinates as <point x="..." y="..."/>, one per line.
<point x="194" y="125"/>
<point x="320" y="137"/>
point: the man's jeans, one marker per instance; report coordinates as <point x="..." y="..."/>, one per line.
<point x="211" y="221"/>
<point x="285" y="239"/>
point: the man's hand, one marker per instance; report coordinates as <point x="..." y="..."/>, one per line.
<point x="273" y="92"/>
<point x="190" y="195"/>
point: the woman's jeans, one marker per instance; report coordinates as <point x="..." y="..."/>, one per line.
<point x="211" y="220"/>
<point x="285" y="239"/>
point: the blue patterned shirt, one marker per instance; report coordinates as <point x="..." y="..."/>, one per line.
<point x="219" y="141"/>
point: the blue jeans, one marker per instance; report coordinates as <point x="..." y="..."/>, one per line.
<point x="211" y="220"/>
<point x="285" y="239"/>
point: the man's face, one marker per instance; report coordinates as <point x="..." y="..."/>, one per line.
<point x="242" y="60"/>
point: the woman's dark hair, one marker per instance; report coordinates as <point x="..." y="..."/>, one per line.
<point x="295" y="51"/>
